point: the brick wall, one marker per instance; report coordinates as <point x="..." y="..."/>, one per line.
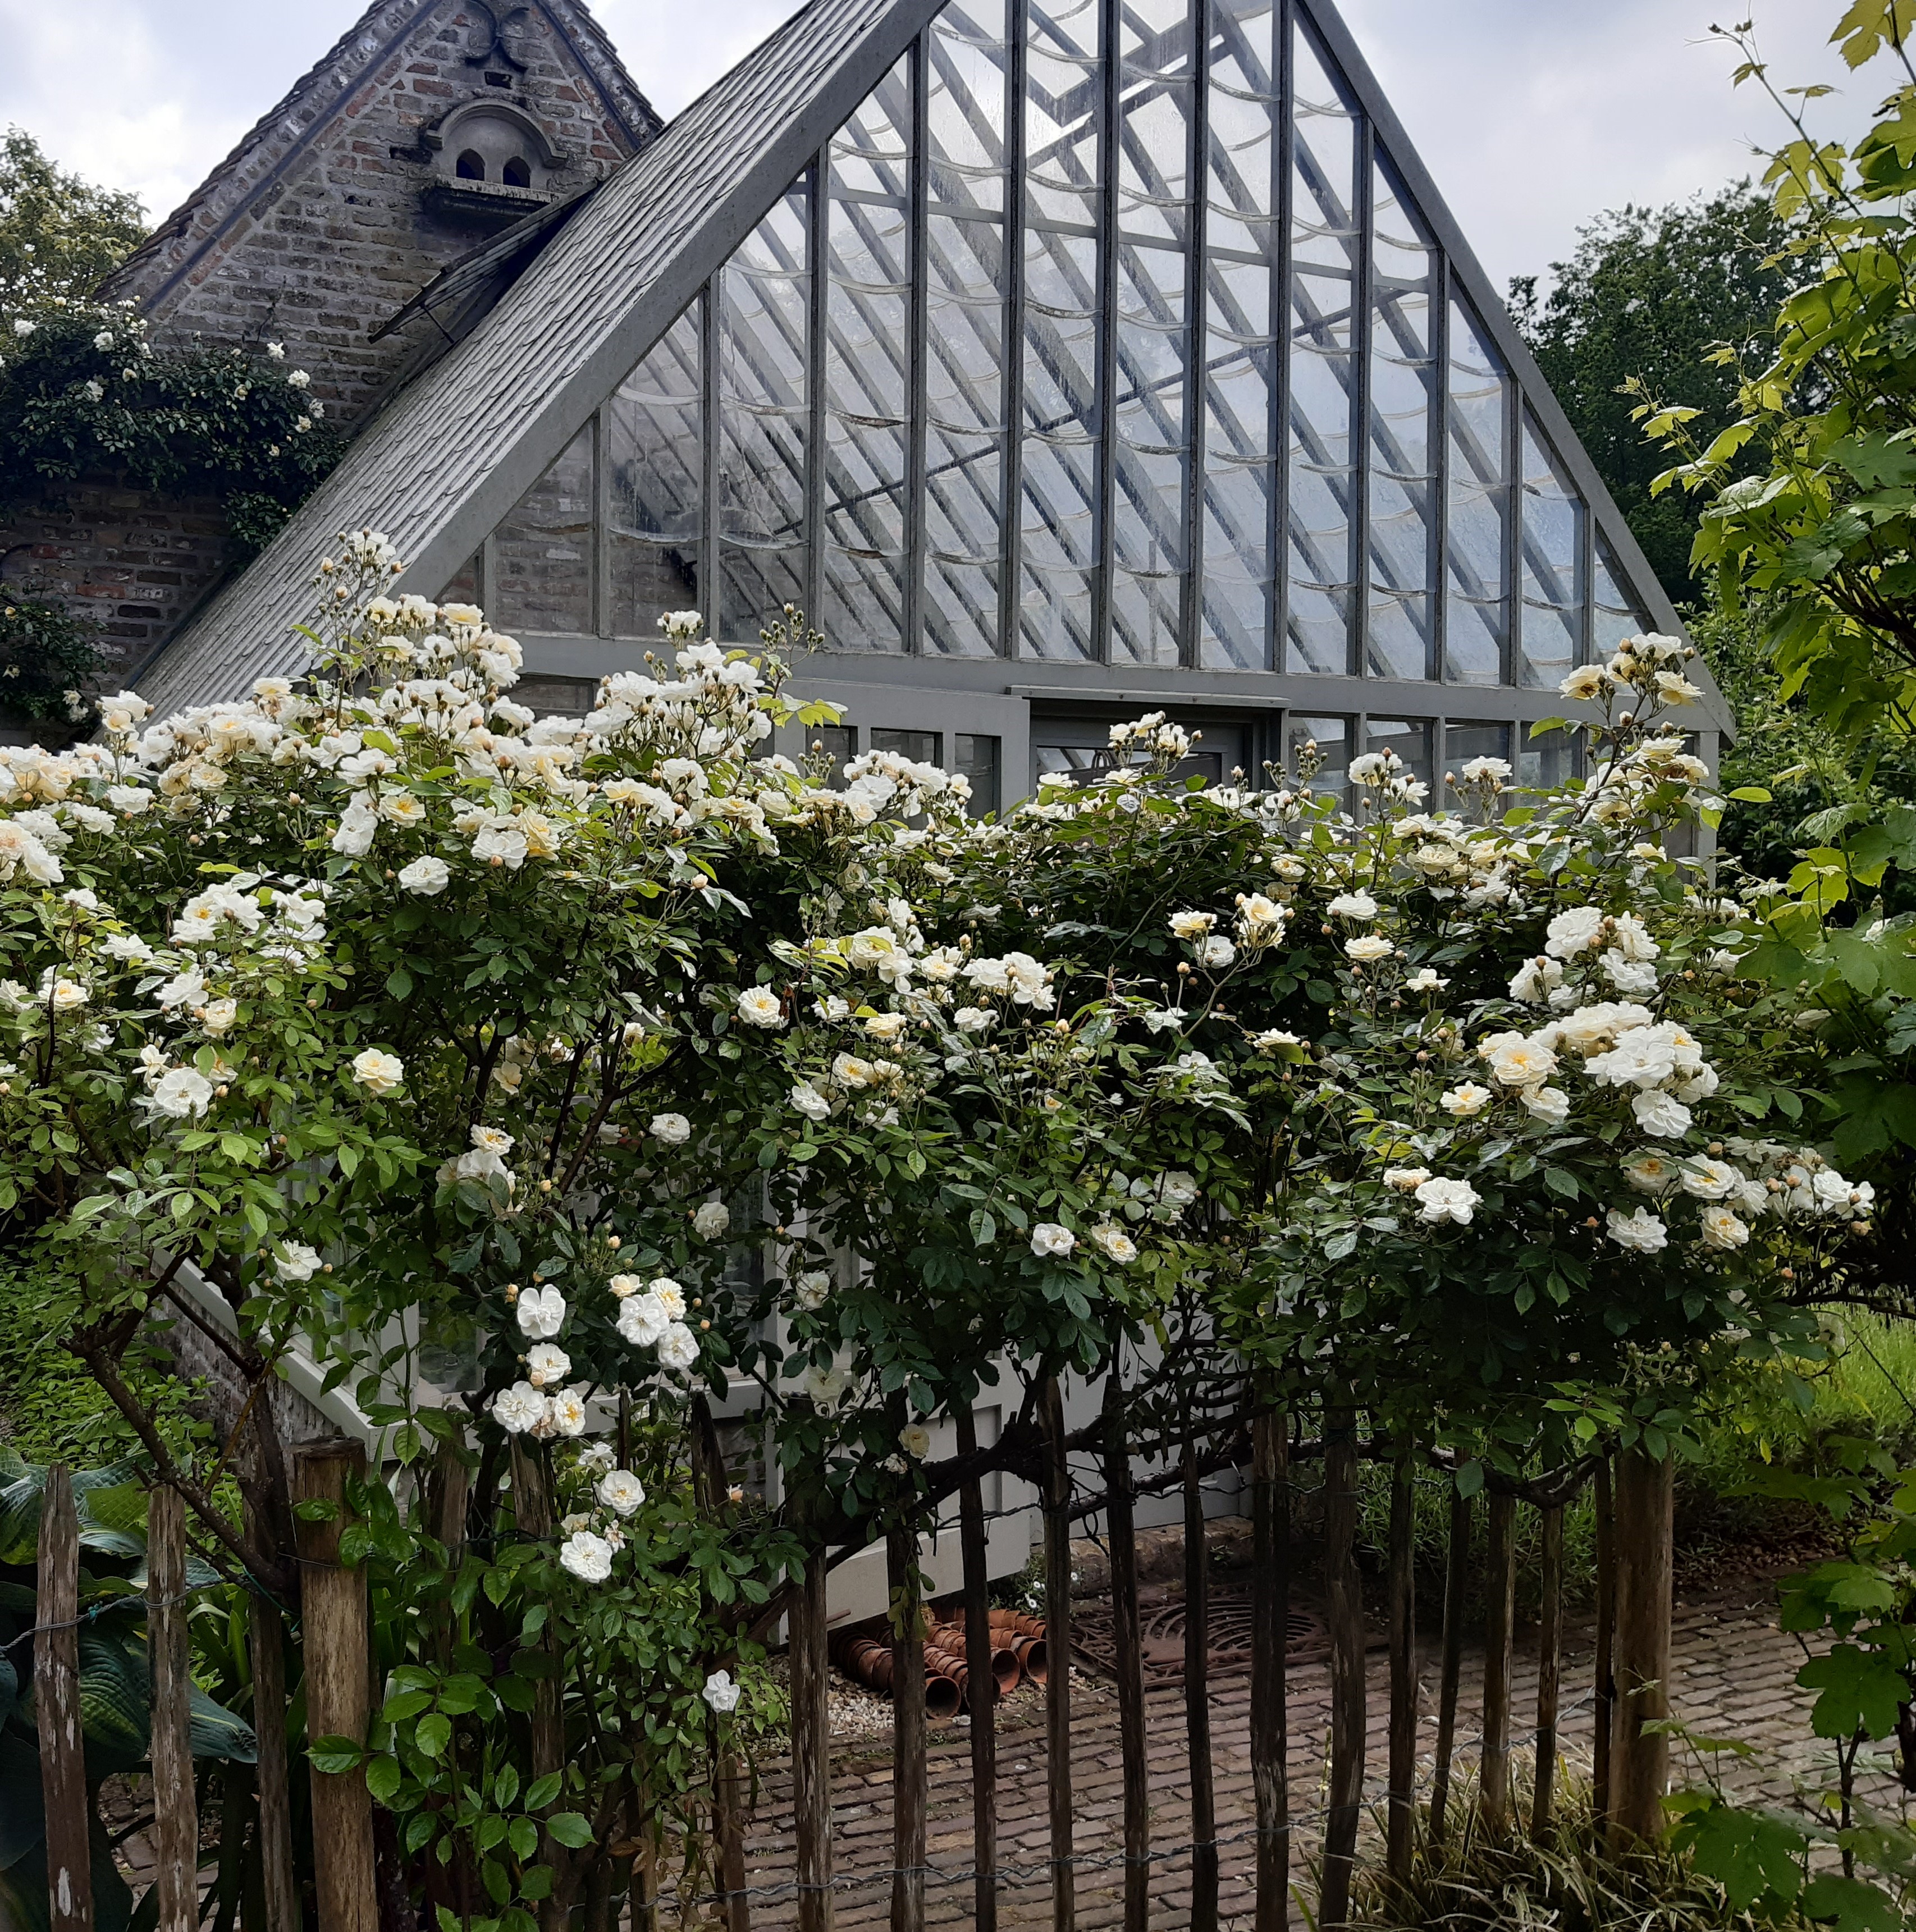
<point x="316" y="234"/>
<point x="321" y="225"/>
<point x="133" y="563"/>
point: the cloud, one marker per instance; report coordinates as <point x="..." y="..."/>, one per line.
<point x="1533" y="115"/>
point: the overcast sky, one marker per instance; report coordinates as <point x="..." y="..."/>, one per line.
<point x="1533" y="115"/>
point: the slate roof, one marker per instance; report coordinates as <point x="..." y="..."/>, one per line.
<point x="164" y="260"/>
<point x="449" y="457"/>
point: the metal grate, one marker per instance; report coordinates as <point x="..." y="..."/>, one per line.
<point x="1162" y="1612"/>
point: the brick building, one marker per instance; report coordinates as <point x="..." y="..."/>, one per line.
<point x="433" y="129"/>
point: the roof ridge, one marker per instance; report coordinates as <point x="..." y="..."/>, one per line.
<point x="357" y="53"/>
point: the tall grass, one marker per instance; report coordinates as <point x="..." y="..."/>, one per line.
<point x="1565" y="1881"/>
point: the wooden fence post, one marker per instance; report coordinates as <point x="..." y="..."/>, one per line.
<point x="1127" y="1645"/>
<point x="335" y="1620"/>
<point x="56" y="1704"/>
<point x="1197" y="1697"/>
<point x="1400" y="1799"/>
<point x="1058" y="1648"/>
<point x="710" y="1484"/>
<point x="1604" y="1700"/>
<point x="908" y="1788"/>
<point x="978" y="1665"/>
<point x="1345" y="1603"/>
<point x="1456" y="1590"/>
<point x="1640" y="1759"/>
<point x="176" y="1809"/>
<point x="811" y="1743"/>
<point x="265" y="1644"/>
<point x="1550" y="1670"/>
<point x="1500" y="1590"/>
<point x="1270" y="1739"/>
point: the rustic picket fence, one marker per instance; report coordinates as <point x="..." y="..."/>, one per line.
<point x="1633" y="1509"/>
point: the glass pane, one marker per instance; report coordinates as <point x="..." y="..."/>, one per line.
<point x="1064" y="110"/>
<point x="980" y="758"/>
<point x="1054" y="613"/>
<point x="1463" y="743"/>
<point x="1242" y="58"/>
<point x="655" y="456"/>
<point x="1552" y="537"/>
<point x="1614" y="613"/>
<point x="1544" y="763"/>
<point x="1412" y="739"/>
<point x="543" y="552"/>
<point x="1144" y="617"/>
<point x="961" y="608"/>
<point x="463" y="587"/>
<point x="922" y="747"/>
<point x="1323" y="741"/>
<point x="967" y="66"/>
<point x="1317" y="632"/>
<point x="1476" y="621"/>
<point x="1324" y="167"/>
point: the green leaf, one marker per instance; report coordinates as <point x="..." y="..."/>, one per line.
<point x="432" y="1734"/>
<point x="570" y="1828"/>
<point x="541" y="1793"/>
<point x="523" y="1836"/>
<point x="337" y="1755"/>
<point x="1854" y="1905"/>
<point x="1861" y="1690"/>
<point x="1748" y="1853"/>
<point x="1751" y="795"/>
<point x="383" y="1778"/>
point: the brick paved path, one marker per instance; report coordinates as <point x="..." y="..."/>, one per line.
<point x="1734" y="1678"/>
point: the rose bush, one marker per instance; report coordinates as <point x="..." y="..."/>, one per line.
<point x="542" y="1078"/>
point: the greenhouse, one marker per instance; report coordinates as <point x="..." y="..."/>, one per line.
<point x="1056" y="358"/>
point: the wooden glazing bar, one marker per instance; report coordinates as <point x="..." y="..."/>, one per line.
<point x="978" y="1663"/>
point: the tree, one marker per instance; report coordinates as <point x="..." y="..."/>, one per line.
<point x="58" y="234"/>
<point x="1647" y="294"/>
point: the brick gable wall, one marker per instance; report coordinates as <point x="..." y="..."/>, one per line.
<point x="319" y="227"/>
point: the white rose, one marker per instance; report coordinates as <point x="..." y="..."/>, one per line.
<point x="721" y="1692"/>
<point x="825" y="1388"/>
<point x="1424" y="980"/>
<point x="1662" y="1115"/>
<point x="811" y="1290"/>
<point x="1722" y="1229"/>
<point x="809" y="1101"/>
<point x="1368" y="948"/>
<point x="541" y="1312"/>
<point x="565" y="1414"/>
<point x="546" y="1365"/>
<point x="621" y="1492"/>
<point x="1536" y="980"/>
<point x="1113" y="1242"/>
<point x="887" y="1026"/>
<point x="296" y="1261"/>
<point x="518" y="1409"/>
<point x="674" y="1129"/>
<point x="1710" y="1179"/>
<point x="1352" y="905"/>
<point x="1406" y="1179"/>
<point x="678" y="1348"/>
<point x="1444" y="1201"/>
<point x="180" y="1093"/>
<point x="379" y="1073"/>
<point x="1216" y="952"/>
<point x="219" y="1016"/>
<point x="642" y="1320"/>
<point x="1571" y="932"/>
<point x="1461" y="1102"/>
<point x="1550" y="1105"/>
<point x="1642" y="1232"/>
<point x="425" y="877"/>
<point x="760" y="1007"/>
<point x="712" y="1219"/>
<point x="915" y="1439"/>
<point x="588" y="1557"/>
<point x="1049" y="1237"/>
<point x="1192" y="924"/>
